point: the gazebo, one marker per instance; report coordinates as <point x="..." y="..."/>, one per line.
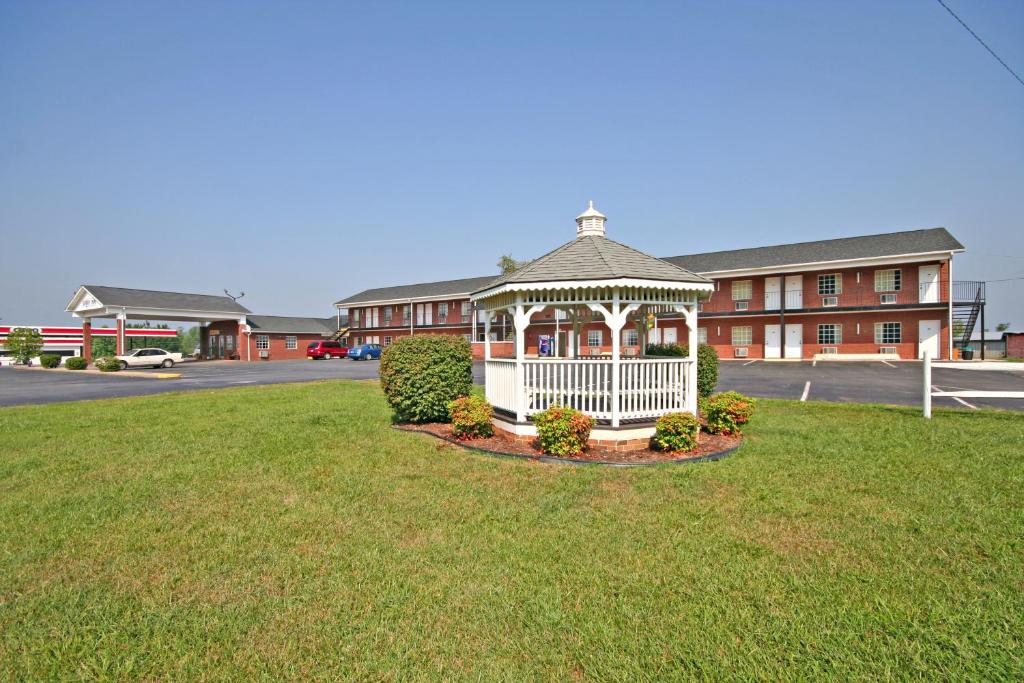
<point x="593" y="280"/>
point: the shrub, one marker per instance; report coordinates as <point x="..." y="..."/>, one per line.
<point x="707" y="363"/>
<point x="75" y="363"/>
<point x="49" y="360"/>
<point x="725" y="412"/>
<point x="108" y="364"/>
<point x="471" y="417"/>
<point x="422" y="374"/>
<point x="676" y="432"/>
<point x="563" y="431"/>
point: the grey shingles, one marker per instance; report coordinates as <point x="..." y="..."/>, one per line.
<point x="292" y="324"/>
<point x="595" y="258"/>
<point x="147" y="298"/>
<point x="426" y="289"/>
<point x="867" y="246"/>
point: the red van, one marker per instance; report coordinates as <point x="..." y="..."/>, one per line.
<point x="326" y="350"/>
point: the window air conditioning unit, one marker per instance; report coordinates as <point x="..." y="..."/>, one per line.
<point x="742" y="305"/>
<point x="741" y="352"/>
<point x="829" y="349"/>
<point x="264" y="354"/>
<point x="830" y="301"/>
<point x="888" y="349"/>
<point x="888" y="298"/>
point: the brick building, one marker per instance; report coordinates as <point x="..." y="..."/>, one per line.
<point x="889" y="296"/>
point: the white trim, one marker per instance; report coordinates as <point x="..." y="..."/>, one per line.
<point x="583" y="284"/>
<point x="403" y="300"/>
<point x="819" y="265"/>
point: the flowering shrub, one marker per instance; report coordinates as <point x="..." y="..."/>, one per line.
<point x="108" y="364"/>
<point x="676" y="432"/>
<point x="75" y="363"/>
<point x="725" y="412"/>
<point x="563" y="431"/>
<point x="471" y="417"/>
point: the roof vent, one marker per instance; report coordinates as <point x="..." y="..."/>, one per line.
<point x="590" y="222"/>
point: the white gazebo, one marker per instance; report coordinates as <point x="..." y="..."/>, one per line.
<point x="593" y="279"/>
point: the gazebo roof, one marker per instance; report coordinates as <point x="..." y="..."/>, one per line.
<point x="595" y="257"/>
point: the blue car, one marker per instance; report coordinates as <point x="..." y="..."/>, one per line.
<point x="365" y="352"/>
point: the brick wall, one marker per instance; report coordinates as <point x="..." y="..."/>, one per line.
<point x="1015" y="345"/>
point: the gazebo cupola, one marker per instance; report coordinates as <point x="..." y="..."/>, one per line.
<point x="593" y="280"/>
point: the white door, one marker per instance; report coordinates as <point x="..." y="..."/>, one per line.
<point x="772" y="341"/>
<point x="771" y="293"/>
<point x="654" y="336"/>
<point x="669" y="335"/>
<point x="928" y="338"/>
<point x="794" y="341"/>
<point x="794" y="292"/>
<point x="928" y="282"/>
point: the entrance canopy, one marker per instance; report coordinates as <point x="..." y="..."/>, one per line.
<point x="120" y="303"/>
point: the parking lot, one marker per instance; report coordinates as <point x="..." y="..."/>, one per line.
<point x="859" y="382"/>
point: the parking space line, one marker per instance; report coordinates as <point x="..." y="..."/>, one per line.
<point x="888" y="363"/>
<point x="959" y="400"/>
<point x="807" y="390"/>
<point x="749" y="362"/>
<point x="815" y="363"/>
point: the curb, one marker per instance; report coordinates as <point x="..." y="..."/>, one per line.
<point x="119" y="373"/>
<point x="552" y="460"/>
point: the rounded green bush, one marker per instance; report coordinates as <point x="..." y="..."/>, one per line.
<point x="49" y="360"/>
<point x="676" y="432"/>
<point x="707" y="363"/>
<point x="108" y="364"/>
<point x="422" y="374"/>
<point x="75" y="363"/>
<point x="724" y="413"/>
<point x="563" y="431"/>
<point x="471" y="417"/>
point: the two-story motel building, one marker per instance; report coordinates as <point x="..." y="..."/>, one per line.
<point x="887" y="296"/>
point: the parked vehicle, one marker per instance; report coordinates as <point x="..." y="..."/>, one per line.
<point x="365" y="352"/>
<point x="154" y="358"/>
<point x="325" y="350"/>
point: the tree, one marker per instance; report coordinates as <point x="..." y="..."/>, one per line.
<point x="24" y="343"/>
<point x="507" y="264"/>
<point x="103" y="346"/>
<point x="1002" y="327"/>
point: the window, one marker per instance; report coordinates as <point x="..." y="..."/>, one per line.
<point x="830" y="334"/>
<point x="262" y="342"/>
<point x="888" y="333"/>
<point x="465" y="312"/>
<point x="387" y="340"/>
<point x="356" y="316"/>
<point x="702" y="335"/>
<point x="630" y="337"/>
<point x="291" y="342"/>
<point x="229" y="342"/>
<point x="888" y="280"/>
<point x="387" y="315"/>
<point x="480" y="336"/>
<point x="468" y="337"/>
<point x="594" y="338"/>
<point x="742" y="336"/>
<point x="406" y="314"/>
<point x="442" y="313"/>
<point x="830" y="284"/>
<point x="359" y="341"/>
<point x="742" y="289"/>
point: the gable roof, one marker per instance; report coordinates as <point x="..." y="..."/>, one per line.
<point x="423" y="290"/>
<point x="292" y="324"/>
<point x="148" y="298"/>
<point x="845" y="248"/>
<point x="595" y="257"/>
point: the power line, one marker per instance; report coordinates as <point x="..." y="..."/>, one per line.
<point x="983" y="44"/>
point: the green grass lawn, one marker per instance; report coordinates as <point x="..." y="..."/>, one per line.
<point x="287" y="533"/>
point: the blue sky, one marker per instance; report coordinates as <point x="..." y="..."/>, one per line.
<point x="305" y="151"/>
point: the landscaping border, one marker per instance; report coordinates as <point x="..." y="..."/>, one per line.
<point x="710" y="457"/>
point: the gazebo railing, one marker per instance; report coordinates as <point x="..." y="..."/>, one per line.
<point x="648" y="387"/>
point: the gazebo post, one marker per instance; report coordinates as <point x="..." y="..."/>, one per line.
<point x="690" y="311"/>
<point x="616" y="324"/>
<point x="487" y="335"/>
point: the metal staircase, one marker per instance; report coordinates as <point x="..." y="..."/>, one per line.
<point x="968" y="307"/>
<point x="341" y="333"/>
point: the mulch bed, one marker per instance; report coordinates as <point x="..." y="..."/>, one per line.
<point x="711" y="447"/>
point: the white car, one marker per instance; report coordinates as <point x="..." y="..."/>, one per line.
<point x="154" y="358"/>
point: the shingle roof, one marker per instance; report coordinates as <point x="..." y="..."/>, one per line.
<point x="417" y="291"/>
<point x="147" y="298"/>
<point x="292" y="324"/>
<point x="867" y="246"/>
<point x="594" y="257"/>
